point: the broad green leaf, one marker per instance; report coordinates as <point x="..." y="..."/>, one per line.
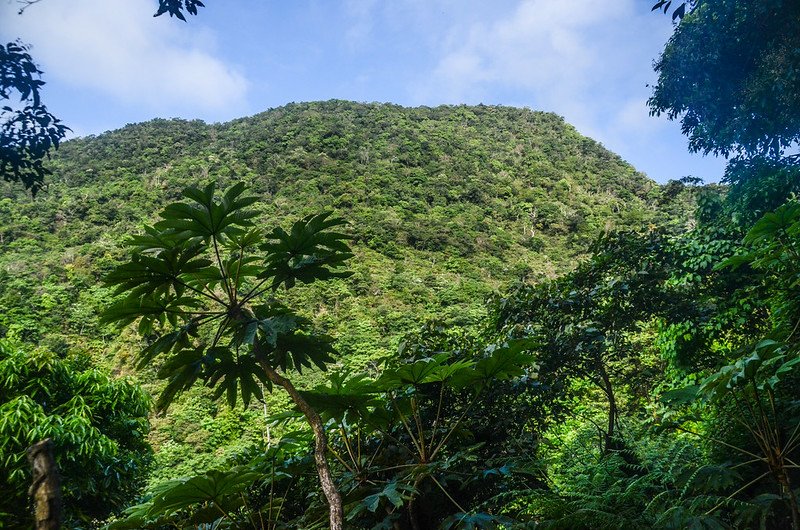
<point x="213" y="486"/>
<point x="307" y="253"/>
<point x="415" y="373"/>
<point x="343" y="394"/>
<point x="680" y="396"/>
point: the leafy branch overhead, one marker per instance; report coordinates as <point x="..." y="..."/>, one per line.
<point x="175" y="8"/>
<point x="653" y="386"/>
<point x="27" y="129"/>
<point x="408" y="433"/>
<point x="679" y="12"/>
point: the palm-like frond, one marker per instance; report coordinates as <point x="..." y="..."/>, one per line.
<point x="309" y="251"/>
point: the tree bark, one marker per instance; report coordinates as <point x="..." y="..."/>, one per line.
<point x="612" y="408"/>
<point x="792" y="500"/>
<point x="45" y="487"/>
<point x="413" y="508"/>
<point x="332" y="494"/>
<point x="779" y="471"/>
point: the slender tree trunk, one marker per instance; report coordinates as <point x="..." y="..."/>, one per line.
<point x="413" y="507"/>
<point x="612" y="407"/>
<point x="45" y="487"/>
<point x="320" y="447"/>
<point x="786" y="489"/>
<point x="793" y="506"/>
<point x="795" y="512"/>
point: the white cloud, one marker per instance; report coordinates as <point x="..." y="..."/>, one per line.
<point x="361" y="15"/>
<point x="117" y="48"/>
<point x="540" y="47"/>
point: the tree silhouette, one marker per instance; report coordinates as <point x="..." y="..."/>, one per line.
<point x="28" y="131"/>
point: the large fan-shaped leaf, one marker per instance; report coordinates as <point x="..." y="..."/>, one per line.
<point x="509" y="360"/>
<point x="342" y="394"/>
<point x="178" y="338"/>
<point x="197" y="268"/>
<point x="182" y="370"/>
<point x="393" y="493"/>
<point x="768" y="363"/>
<point x="207" y="217"/>
<point x="148" y="274"/>
<point x="309" y="252"/>
<point x="297" y="350"/>
<point x="150" y="309"/>
<point x="421" y="371"/>
<point x="213" y="486"/>
<point x="232" y="374"/>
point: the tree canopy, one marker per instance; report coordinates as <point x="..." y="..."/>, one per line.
<point x="728" y="73"/>
<point x="200" y="267"/>
<point x="647" y="380"/>
<point x="98" y="425"/>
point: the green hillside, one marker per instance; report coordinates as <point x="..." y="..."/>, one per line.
<point x="447" y="205"/>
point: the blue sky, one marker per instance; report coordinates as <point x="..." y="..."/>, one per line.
<point x="109" y="62"/>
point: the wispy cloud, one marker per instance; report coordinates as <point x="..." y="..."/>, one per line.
<point x="108" y="62"/>
<point x="360" y="14"/>
<point x="117" y="48"/>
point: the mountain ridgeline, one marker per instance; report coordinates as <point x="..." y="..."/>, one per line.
<point x="446" y="205"/>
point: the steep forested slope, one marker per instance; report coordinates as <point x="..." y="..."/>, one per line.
<point x="446" y="205"/>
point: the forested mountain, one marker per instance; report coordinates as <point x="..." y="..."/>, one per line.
<point x="483" y="191"/>
<point x="446" y="205"/>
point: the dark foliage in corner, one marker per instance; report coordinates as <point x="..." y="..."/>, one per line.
<point x="27" y="130"/>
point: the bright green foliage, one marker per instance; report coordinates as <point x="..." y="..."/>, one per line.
<point x="729" y="72"/>
<point x="219" y="490"/>
<point x="762" y="370"/>
<point x="759" y="185"/>
<point x="760" y="382"/>
<point x="405" y="443"/>
<point x="197" y="285"/>
<point x="594" y="423"/>
<point x="587" y="321"/>
<point x="719" y="310"/>
<point x="726" y="326"/>
<point x="658" y="482"/>
<point x="773" y="249"/>
<point x="310" y="252"/>
<point x="254" y="494"/>
<point x="652" y="384"/>
<point x="98" y="425"/>
<point x="200" y="433"/>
